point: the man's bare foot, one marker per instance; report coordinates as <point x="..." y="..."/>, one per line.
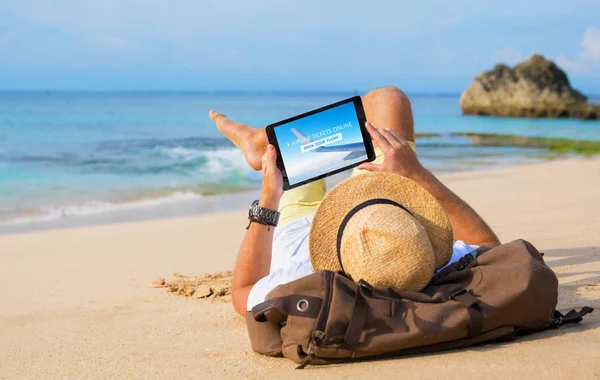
<point x="251" y="141"/>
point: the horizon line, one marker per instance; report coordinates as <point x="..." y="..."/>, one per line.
<point x="593" y="96"/>
<point x="217" y="93"/>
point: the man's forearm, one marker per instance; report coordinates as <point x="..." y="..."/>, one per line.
<point x="402" y="160"/>
<point x="254" y="258"/>
<point x="467" y="225"/>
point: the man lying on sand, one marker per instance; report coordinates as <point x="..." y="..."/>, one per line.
<point x="269" y="257"/>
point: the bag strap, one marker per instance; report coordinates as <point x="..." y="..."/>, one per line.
<point x="380" y="303"/>
<point x="471" y="303"/>
<point x="364" y="297"/>
<point x="357" y="322"/>
<point x="572" y="316"/>
<point x="278" y="309"/>
<point x="385" y="306"/>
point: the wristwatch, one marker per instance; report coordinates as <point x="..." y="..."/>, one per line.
<point x="262" y="215"/>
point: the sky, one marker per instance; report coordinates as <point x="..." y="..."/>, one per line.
<point x="289" y="46"/>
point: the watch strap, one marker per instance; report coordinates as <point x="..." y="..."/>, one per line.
<point x="263" y="215"/>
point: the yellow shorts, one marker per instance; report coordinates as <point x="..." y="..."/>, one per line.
<point x="305" y="199"/>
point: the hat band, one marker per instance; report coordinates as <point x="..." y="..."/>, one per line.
<point x="351" y="213"/>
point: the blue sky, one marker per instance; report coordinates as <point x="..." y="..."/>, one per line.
<point x="268" y="45"/>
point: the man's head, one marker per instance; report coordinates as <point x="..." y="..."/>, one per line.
<point x="381" y="228"/>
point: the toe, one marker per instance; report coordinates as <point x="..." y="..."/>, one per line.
<point x="214" y="115"/>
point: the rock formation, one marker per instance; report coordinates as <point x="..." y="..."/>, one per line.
<point x="533" y="88"/>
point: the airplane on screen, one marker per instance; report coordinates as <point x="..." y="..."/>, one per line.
<point x="356" y="149"/>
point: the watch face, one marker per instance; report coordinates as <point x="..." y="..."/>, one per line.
<point x="251" y="211"/>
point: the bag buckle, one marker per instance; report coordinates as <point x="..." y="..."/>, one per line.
<point x="366" y="285"/>
<point x="558" y="321"/>
<point x="465" y="261"/>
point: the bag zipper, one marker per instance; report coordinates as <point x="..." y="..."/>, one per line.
<point x="319" y="333"/>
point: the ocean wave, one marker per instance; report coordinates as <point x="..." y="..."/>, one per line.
<point x="94" y="207"/>
<point x="228" y="159"/>
<point x="192" y="158"/>
<point x="209" y="165"/>
<point x="137" y="145"/>
<point x="154" y="173"/>
<point x="179" y="152"/>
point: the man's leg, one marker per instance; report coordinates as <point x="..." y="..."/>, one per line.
<point x="295" y="203"/>
<point x="386" y="107"/>
<point x="251" y="141"/>
<point x="389" y="108"/>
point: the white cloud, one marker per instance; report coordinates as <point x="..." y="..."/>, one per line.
<point x="509" y="55"/>
<point x="591" y="44"/>
<point x="238" y="44"/>
<point x="570" y="65"/>
<point x="588" y="58"/>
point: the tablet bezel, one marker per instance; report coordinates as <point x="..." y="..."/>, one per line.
<point x="360" y="114"/>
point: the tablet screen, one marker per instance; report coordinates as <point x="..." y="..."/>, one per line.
<point x="321" y="143"/>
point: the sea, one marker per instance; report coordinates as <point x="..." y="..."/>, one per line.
<point x="67" y="155"/>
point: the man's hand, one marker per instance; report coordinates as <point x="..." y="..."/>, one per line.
<point x="272" y="181"/>
<point x="401" y="159"/>
<point x="399" y="156"/>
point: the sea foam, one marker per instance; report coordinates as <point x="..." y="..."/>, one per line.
<point x="94" y="207"/>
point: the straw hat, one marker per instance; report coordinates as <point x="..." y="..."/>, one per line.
<point x="388" y="230"/>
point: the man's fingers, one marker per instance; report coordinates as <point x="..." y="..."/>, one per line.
<point x="369" y="167"/>
<point x="397" y="136"/>
<point x="396" y="140"/>
<point x="378" y="137"/>
<point x="269" y="159"/>
<point x="271" y="154"/>
<point x="392" y="138"/>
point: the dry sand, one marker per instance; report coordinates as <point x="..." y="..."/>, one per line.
<point x="78" y="303"/>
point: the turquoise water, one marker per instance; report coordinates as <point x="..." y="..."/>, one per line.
<point x="70" y="154"/>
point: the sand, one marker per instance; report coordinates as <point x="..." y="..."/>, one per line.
<point x="79" y="302"/>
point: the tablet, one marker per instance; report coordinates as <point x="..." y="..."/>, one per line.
<point x="322" y="142"/>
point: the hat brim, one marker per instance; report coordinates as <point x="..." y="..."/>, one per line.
<point x="360" y="188"/>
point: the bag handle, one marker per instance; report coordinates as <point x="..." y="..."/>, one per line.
<point x="380" y="303"/>
<point x="277" y="309"/>
<point x="364" y="296"/>
<point x="357" y="321"/>
<point x="472" y="304"/>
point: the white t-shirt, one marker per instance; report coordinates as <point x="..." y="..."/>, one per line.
<point x="290" y="259"/>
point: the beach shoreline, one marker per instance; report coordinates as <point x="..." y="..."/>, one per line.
<point x="181" y="205"/>
<point x="78" y="302"/>
<point x="127" y="157"/>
